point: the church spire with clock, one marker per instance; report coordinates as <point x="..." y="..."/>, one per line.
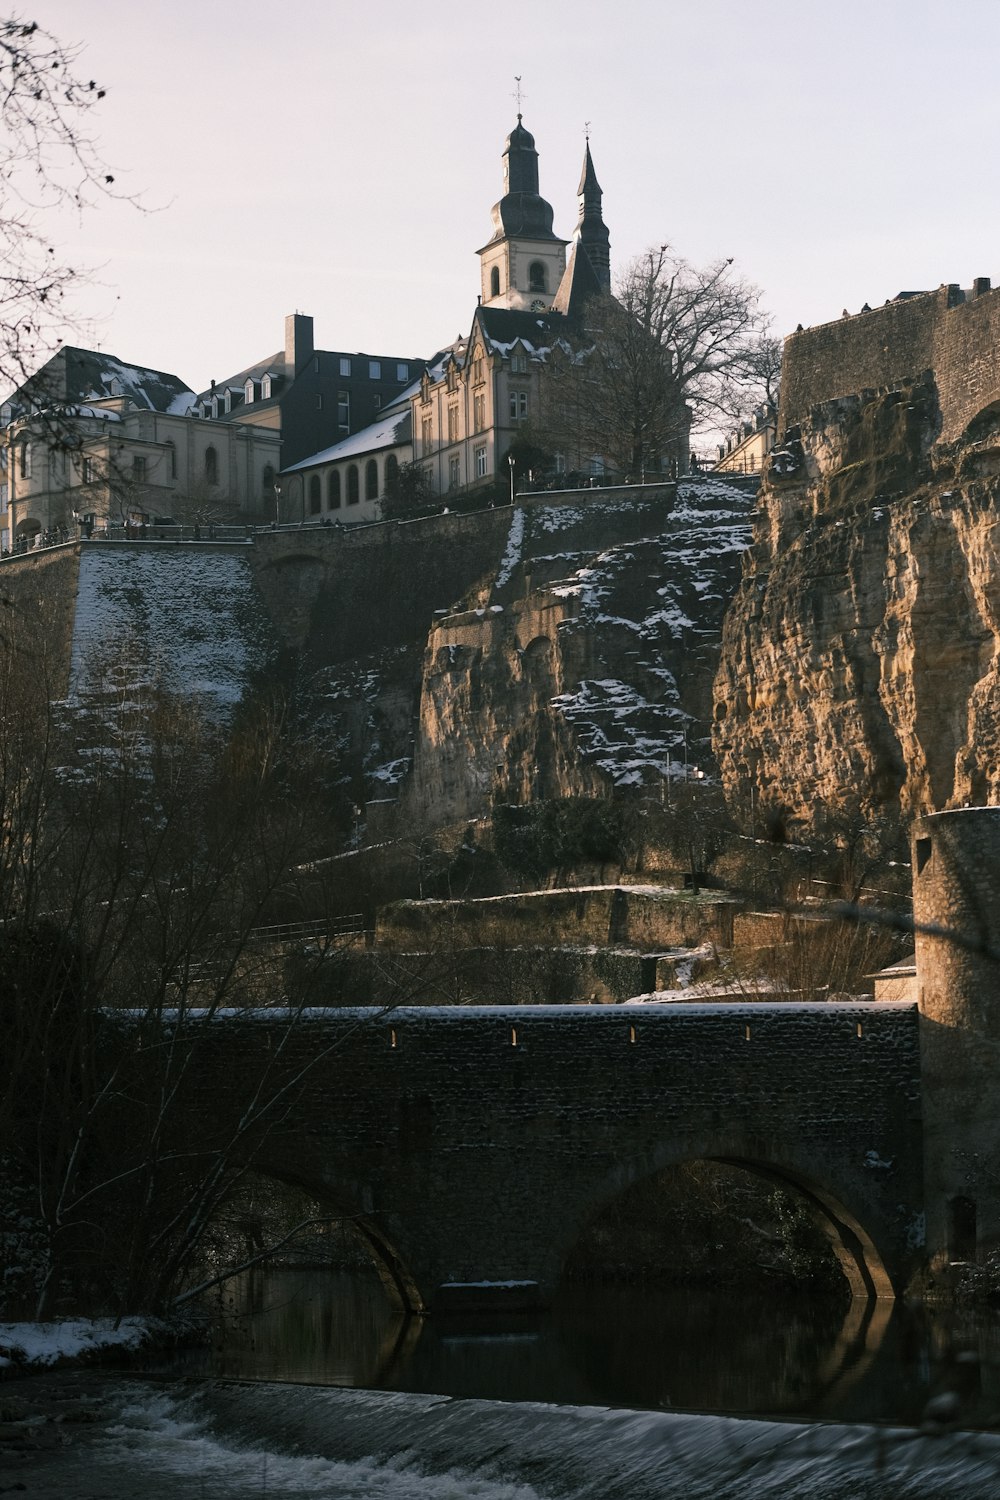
<point x="523" y="263"/>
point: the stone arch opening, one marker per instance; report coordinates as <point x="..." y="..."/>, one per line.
<point x="851" y="1248"/>
<point x="269" y="1200"/>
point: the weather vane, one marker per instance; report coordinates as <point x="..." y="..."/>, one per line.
<point x="586" y="131"/>
<point x="517" y="93"/>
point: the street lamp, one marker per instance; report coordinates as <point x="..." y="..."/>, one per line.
<point x="511" y="461"/>
<point x="277" y="502"/>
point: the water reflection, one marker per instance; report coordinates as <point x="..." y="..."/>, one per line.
<point x="666" y="1348"/>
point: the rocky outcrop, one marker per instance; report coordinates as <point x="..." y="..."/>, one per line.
<point x="580" y="669"/>
<point x="859" y="676"/>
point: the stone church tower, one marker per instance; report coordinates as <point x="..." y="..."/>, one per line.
<point x="523" y="263"/>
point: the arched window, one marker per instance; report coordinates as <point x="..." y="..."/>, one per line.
<point x="391" y="471"/>
<point x="171" y="458"/>
<point x="314" y="495"/>
<point x="536" y="276"/>
<point x="352" y="485"/>
<point x="267" y="480"/>
<point x="371" y="480"/>
<point x="495" y="282"/>
<point x="25" y="457"/>
<point x="333" y="490"/>
<point x="211" y="466"/>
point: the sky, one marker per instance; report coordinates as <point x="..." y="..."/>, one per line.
<point x="341" y="159"/>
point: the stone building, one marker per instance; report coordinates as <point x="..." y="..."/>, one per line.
<point x="477" y="396"/>
<point x="90" y="441"/>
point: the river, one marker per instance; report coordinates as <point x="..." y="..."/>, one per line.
<point x="314" y="1389"/>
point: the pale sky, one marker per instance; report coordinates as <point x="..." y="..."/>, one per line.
<point x="341" y="159"/>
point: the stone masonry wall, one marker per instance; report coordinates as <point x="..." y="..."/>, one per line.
<point x="479" y="1143"/>
<point x="956" y="337"/>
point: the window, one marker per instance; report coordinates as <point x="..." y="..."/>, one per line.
<point x="248" y="392"/>
<point x="116" y="388"/>
<point x="519" y="363"/>
<point x="333" y="490"/>
<point x="352" y="485"/>
<point x="228" y="398"/>
<point x="481" y="469"/>
<point x="453" y="422"/>
<point x="345" y="367"/>
<point x="495" y="282"/>
<point x="518" y="406"/>
<point x="215" y="406"/>
<point x="211" y="466"/>
<point x="402" y="372"/>
<point x="536" y="276"/>
<point x="374" y="369"/>
<point x="86" y="471"/>
<point x="6" y="412"/>
<point x="319" y="400"/>
<point x="344" y="408"/>
<point x="171" y="458"/>
<point x="138" y="470"/>
<point x="371" y="480"/>
<point x="267" y="481"/>
<point x="559" y="462"/>
<point x="477" y="371"/>
<point x="377" y="401"/>
<point x="391" y="470"/>
<point x="454" y="473"/>
<point x="314" y="495"/>
<point x="426" y="440"/>
<point x="265" y="388"/>
<point x="479" y="413"/>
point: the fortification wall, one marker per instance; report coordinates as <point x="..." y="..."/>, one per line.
<point x="341" y="593"/>
<point x="956" y="335"/>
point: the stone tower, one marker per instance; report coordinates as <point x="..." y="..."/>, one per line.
<point x="523" y="263"/>
<point x="956" y="909"/>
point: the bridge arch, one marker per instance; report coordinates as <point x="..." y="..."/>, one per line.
<point x="852" y="1244"/>
<point x="388" y="1258"/>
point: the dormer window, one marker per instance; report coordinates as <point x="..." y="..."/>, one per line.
<point x="116" y="388"/>
<point x="215" y="406"/>
<point x="265" y="388"/>
<point x="248" y="392"/>
<point x="518" y="362"/>
<point x="6" y="412"/>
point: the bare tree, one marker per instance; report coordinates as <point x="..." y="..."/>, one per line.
<point x="48" y="160"/>
<point x="662" y="354"/>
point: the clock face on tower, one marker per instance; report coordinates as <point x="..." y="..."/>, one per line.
<point x="537" y="306"/>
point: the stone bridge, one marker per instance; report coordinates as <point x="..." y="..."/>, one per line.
<point x="473" y="1146"/>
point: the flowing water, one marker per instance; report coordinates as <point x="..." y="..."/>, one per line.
<point x="314" y="1389"/>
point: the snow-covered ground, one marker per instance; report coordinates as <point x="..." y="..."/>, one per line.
<point x="41" y="1345"/>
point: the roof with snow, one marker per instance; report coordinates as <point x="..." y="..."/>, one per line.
<point x="79" y="375"/>
<point x="393" y="428"/>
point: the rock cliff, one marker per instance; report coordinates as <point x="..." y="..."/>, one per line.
<point x="579" y="668"/>
<point x="858" y="678"/>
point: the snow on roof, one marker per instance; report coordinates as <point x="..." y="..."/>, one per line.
<point x="391" y="429"/>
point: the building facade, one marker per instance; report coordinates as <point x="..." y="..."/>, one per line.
<point x="91" y="442"/>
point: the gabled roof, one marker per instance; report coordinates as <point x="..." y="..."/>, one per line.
<point x="504" y="326"/>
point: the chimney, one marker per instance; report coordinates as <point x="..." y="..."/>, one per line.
<point x="298" y="343"/>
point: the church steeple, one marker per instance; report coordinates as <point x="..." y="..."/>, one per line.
<point x="591" y="231"/>
<point x="524" y="260"/>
